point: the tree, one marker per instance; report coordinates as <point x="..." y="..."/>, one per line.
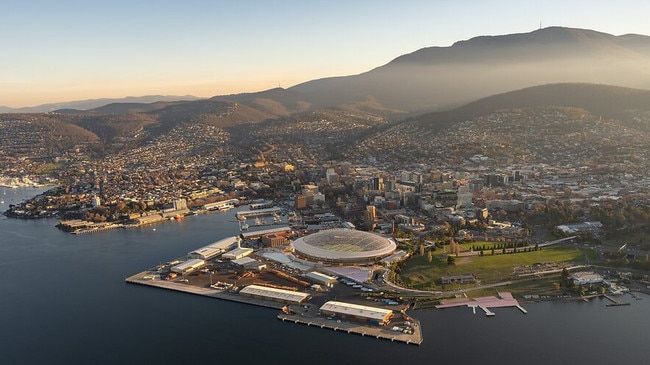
<point x="451" y="260"/>
<point x="421" y="249"/>
<point x="565" y="274"/>
<point x="429" y="256"/>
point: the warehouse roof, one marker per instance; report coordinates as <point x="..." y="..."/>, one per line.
<point x="356" y="310"/>
<point x="275" y="294"/>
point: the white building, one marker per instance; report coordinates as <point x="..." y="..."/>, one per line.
<point x="273" y="294"/>
<point x="585" y="278"/>
<point x="238" y="253"/>
<point x="188" y="266"/>
<point x="214" y="249"/>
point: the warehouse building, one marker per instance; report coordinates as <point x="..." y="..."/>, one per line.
<point x="188" y="266"/>
<point x="248" y="263"/>
<point x="273" y="294"/>
<point x="214" y="249"/>
<point x="238" y="253"/>
<point x="320" y="278"/>
<point x="356" y="312"/>
<point x="258" y="234"/>
<point x="274" y="240"/>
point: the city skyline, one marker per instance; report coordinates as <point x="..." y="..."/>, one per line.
<point x="74" y="50"/>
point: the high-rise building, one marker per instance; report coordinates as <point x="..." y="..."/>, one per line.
<point x="331" y="176"/>
<point x="300" y="201"/>
<point x="180" y="204"/>
<point x="376" y="183"/>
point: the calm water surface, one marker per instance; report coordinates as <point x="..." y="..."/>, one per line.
<point x="63" y="300"/>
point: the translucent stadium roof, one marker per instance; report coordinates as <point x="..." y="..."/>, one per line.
<point x="344" y="245"/>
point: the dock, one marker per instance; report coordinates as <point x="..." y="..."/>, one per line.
<point x="505" y="299"/>
<point x="488" y="312"/>
<point x="145" y="278"/>
<point x="614" y="302"/>
<point x="141" y="279"/>
<point x="379" y="332"/>
<point x="243" y="215"/>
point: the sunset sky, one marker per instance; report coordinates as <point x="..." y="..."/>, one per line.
<point x="64" y="50"/>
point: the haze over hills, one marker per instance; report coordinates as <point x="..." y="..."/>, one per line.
<point x="83" y="105"/>
<point x="441" y="78"/>
<point x="438" y="78"/>
<point x="604" y="101"/>
<point x="559" y="124"/>
<point x="430" y="79"/>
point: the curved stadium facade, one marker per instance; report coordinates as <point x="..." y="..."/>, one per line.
<point x="344" y="246"/>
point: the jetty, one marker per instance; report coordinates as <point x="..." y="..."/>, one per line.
<point x="505" y="299"/>
<point x="379" y="332"/>
<point x="614" y="302"/>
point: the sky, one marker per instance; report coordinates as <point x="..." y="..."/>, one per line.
<point x="64" y="50"/>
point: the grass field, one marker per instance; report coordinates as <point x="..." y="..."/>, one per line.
<point x="421" y="274"/>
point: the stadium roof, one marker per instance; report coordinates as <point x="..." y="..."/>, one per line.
<point x="342" y="244"/>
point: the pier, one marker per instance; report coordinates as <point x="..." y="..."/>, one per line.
<point x="379" y="332"/>
<point x="614" y="302"/>
<point x="243" y="215"/>
<point x="505" y="299"/>
<point x="487" y="311"/>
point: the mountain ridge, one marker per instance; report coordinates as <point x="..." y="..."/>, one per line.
<point x="87" y="104"/>
<point x="442" y="78"/>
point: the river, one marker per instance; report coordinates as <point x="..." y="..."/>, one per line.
<point x="64" y="301"/>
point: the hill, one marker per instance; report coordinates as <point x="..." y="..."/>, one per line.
<point x="559" y="124"/>
<point x="439" y="78"/>
<point x="435" y="78"/>
<point x="601" y="100"/>
<point x="83" y="105"/>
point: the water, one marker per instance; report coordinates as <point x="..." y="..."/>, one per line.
<point x="63" y="300"/>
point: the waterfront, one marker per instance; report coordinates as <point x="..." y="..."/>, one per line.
<point x="64" y="300"/>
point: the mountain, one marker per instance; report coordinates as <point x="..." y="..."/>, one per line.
<point x="439" y="78"/>
<point x="82" y="105"/>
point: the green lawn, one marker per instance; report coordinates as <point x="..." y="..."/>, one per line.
<point x="421" y="274"/>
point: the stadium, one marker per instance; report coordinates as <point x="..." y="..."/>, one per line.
<point x="344" y="246"/>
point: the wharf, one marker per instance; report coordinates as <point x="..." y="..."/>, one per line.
<point x="614" y="302"/>
<point x="245" y="214"/>
<point x="140" y="279"/>
<point x="505" y="299"/>
<point x="310" y="319"/>
<point x="380" y="332"/>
